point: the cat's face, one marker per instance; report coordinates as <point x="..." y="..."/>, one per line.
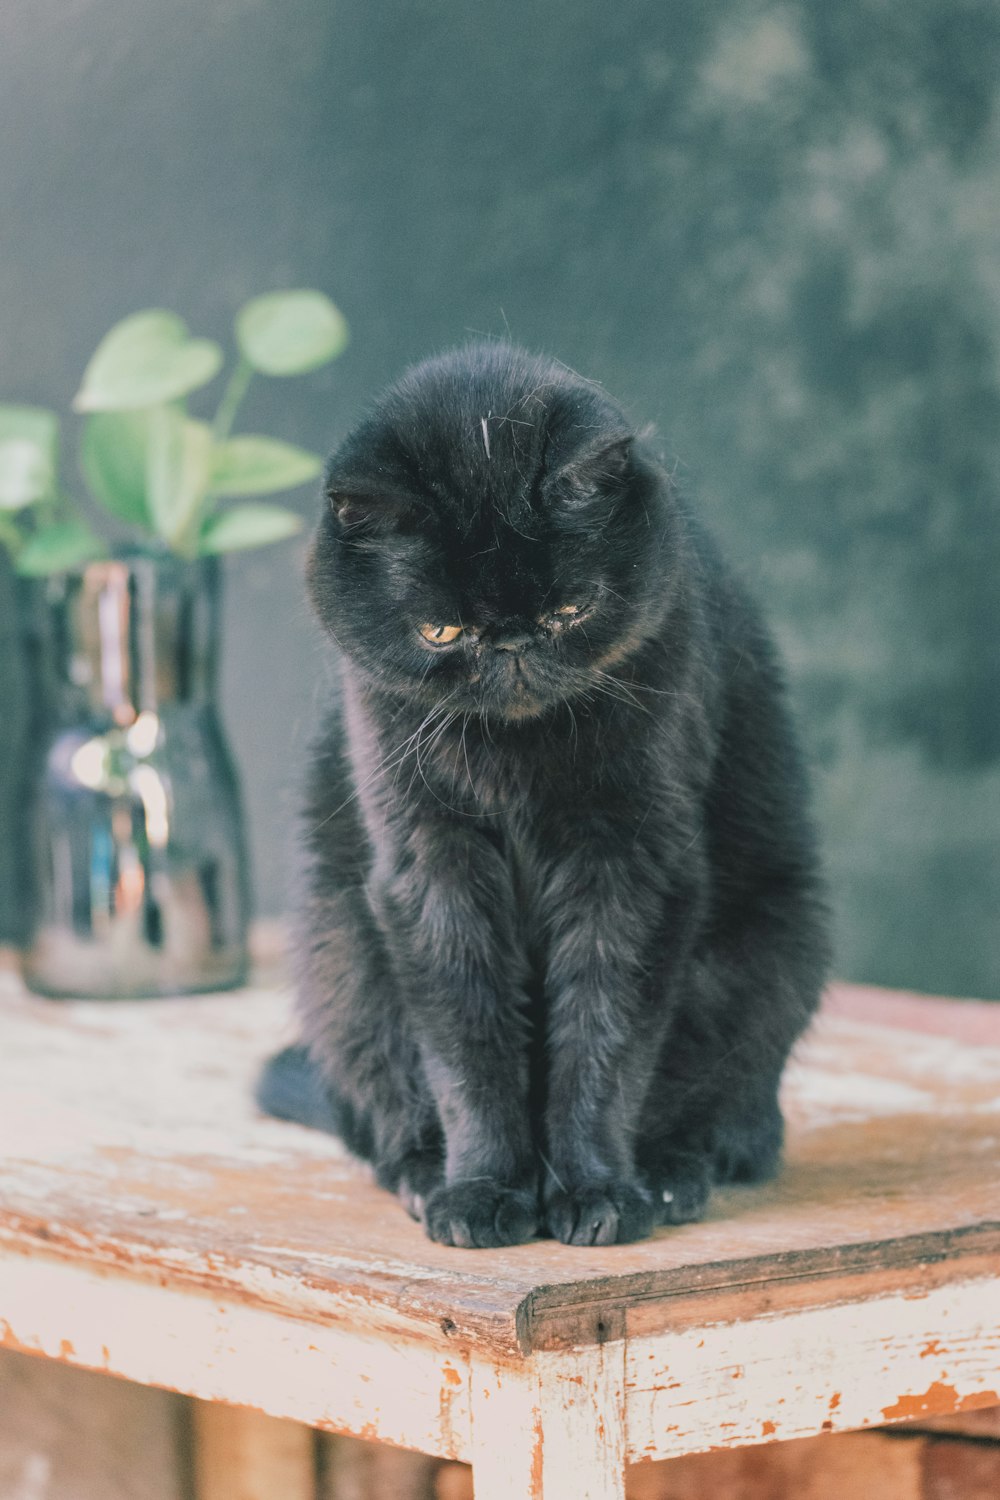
<point x="491" y="537"/>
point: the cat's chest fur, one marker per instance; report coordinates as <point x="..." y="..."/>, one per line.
<point x="518" y="780"/>
<point x="582" y="784"/>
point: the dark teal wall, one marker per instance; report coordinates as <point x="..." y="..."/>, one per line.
<point x="772" y="229"/>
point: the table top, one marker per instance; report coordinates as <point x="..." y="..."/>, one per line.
<point x="129" y="1141"/>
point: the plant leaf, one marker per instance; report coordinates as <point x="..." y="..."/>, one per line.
<point x="178" y="466"/>
<point x="288" y="333"/>
<point x="247" y="526"/>
<point x="58" y="547"/>
<point x="260" y="466"/>
<point x="144" y="360"/>
<point x="25" y="474"/>
<point x="36" y="423"/>
<point x="113" y="457"/>
<point x="29" y="443"/>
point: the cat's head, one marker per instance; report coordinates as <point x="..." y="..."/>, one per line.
<point x="492" y="534"/>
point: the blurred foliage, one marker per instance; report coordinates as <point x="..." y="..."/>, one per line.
<point x="148" y="463"/>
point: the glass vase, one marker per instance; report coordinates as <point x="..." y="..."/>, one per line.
<point x="136" y="850"/>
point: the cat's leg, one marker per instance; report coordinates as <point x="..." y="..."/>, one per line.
<point x="731" y="1136"/>
<point x="712" y="1113"/>
<point x="361" y="1049"/>
<point x="447" y="912"/>
<point x="619" y="933"/>
<point x="756" y="972"/>
<point x="357" y="1071"/>
<point x="734" y="1136"/>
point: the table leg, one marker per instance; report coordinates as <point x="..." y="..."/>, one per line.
<point x="551" y="1429"/>
<point x="351" y="1469"/>
<point x="240" y="1454"/>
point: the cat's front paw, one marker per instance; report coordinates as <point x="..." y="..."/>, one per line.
<point x="684" y="1201"/>
<point x="607" y="1213"/>
<point x="680" y="1188"/>
<point x="416" y="1178"/>
<point x="480" y="1213"/>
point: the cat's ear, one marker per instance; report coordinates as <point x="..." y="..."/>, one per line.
<point x="599" y="468"/>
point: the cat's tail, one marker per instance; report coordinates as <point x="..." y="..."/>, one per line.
<point x="291" y="1087"/>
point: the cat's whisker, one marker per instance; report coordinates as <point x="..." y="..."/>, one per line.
<point x="510" y="523"/>
<point x="644" y="687"/>
<point x="432" y="740"/>
<point x="625" y="690"/>
<point x="388" y="762"/>
<point x="428" y="744"/>
<point x="430" y="719"/>
<point x="606" y="693"/>
<point x="605" y="588"/>
<point x="624" y="697"/>
<point x="552" y="1171"/>
<point x="572" y="719"/>
<point x="486" y="733"/>
<point x="433" y="737"/>
<point x="413" y="744"/>
<point x="622" y="692"/>
<point x="556" y="579"/>
<point x="465" y="753"/>
<point x="435" y="725"/>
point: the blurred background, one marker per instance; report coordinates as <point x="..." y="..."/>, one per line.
<point x="772" y="230"/>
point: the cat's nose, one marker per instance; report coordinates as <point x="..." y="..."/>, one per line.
<point x="513" y="640"/>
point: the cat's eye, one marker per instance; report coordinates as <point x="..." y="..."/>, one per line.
<point x="440" y="635"/>
<point x="567" y="614"/>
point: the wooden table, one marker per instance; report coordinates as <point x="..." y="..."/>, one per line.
<point x="154" y="1226"/>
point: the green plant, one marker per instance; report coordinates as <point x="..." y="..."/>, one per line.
<point x="146" y="461"/>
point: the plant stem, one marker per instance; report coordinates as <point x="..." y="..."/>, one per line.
<point x="57" y="509"/>
<point x="11" y="535"/>
<point x="232" y="396"/>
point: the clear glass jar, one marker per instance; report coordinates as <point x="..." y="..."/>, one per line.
<point x="137" y="858"/>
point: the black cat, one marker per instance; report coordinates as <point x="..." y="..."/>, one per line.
<point x="560" y="920"/>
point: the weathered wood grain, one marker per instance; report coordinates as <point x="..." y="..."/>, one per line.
<point x="153" y="1225"/>
<point x="893" y="1357"/>
<point x="870" y="1465"/>
<point x="400" y="1390"/>
<point x="550" y="1428"/>
<point x="131" y="1142"/>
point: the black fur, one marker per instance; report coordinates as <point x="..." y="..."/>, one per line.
<point x="560" y="921"/>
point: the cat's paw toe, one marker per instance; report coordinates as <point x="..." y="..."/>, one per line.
<point x="683" y="1197"/>
<point x="679" y="1178"/>
<point x="480" y="1214"/>
<point x="412" y="1177"/>
<point x="421" y="1177"/>
<point x="603" y="1214"/>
